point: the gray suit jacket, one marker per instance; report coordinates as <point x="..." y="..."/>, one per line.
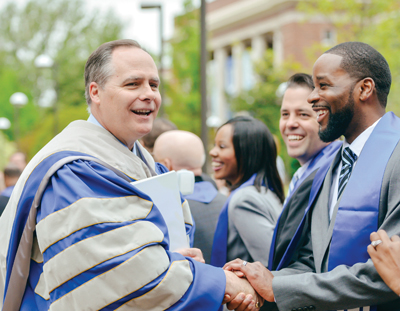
<point x="252" y="218"/>
<point x="205" y="217"/>
<point x="306" y="282"/>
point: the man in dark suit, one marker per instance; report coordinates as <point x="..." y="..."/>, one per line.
<point x="184" y="150"/>
<point x="299" y="129"/>
<point x="3" y="203"/>
<point x="358" y="193"/>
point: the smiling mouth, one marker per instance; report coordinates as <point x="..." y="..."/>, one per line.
<point x="216" y="165"/>
<point x="142" y="112"/>
<point x="321" y="112"/>
<point x="295" y="137"/>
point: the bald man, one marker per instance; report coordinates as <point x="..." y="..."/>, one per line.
<point x="184" y="150"/>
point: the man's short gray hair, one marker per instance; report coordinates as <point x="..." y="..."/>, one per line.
<point x="98" y="66"/>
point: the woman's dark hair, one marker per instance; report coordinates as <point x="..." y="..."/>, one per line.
<point x="255" y="152"/>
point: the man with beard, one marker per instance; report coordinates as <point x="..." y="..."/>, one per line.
<point x="356" y="195"/>
<point x="299" y="129"/>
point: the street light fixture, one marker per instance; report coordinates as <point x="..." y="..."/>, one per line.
<point x="49" y="96"/>
<point x="44" y="61"/>
<point x="18" y="100"/>
<point x="145" y="6"/>
<point x="203" y="79"/>
<point x="4" y="124"/>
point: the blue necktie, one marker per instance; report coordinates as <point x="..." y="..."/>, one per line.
<point x="292" y="184"/>
<point x="348" y="160"/>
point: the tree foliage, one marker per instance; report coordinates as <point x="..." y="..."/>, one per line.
<point x="263" y="101"/>
<point x="68" y="33"/>
<point x="375" y="22"/>
<point x="183" y="105"/>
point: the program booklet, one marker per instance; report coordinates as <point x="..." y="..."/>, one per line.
<point x="163" y="189"/>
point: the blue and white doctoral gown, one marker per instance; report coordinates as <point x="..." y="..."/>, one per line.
<point x="99" y="243"/>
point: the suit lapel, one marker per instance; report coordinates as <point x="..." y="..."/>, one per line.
<point x="321" y="228"/>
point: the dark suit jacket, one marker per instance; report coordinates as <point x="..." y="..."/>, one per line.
<point x="290" y="218"/>
<point x="206" y="217"/>
<point x="3" y="203"/>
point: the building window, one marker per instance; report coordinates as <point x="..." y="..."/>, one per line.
<point x="328" y="38"/>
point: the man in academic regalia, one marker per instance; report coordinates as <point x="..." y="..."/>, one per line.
<point x="77" y="235"/>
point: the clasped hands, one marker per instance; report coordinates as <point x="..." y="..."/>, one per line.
<point x="258" y="282"/>
<point x="247" y="286"/>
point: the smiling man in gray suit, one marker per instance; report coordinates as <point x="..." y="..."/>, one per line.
<point x="359" y="192"/>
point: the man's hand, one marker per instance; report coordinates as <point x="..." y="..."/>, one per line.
<point x="194" y="253"/>
<point x="258" y="276"/>
<point x="239" y="295"/>
<point x="386" y="258"/>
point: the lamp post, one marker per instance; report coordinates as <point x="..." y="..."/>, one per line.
<point x="4" y="125"/>
<point x="146" y="6"/>
<point x="49" y="96"/>
<point x="203" y="79"/>
<point x="18" y="100"/>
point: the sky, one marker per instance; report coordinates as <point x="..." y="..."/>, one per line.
<point x="140" y="25"/>
<point x="143" y="25"/>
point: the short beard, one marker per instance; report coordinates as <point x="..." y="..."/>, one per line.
<point x="338" y="122"/>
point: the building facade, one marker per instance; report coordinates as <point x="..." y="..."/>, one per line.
<point x="240" y="31"/>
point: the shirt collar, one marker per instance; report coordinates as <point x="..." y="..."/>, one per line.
<point x="93" y="120"/>
<point x="300" y="171"/>
<point x="358" y="144"/>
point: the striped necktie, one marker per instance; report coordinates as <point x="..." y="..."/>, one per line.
<point x="348" y="160"/>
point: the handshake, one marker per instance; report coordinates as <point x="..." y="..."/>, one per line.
<point x="247" y="284"/>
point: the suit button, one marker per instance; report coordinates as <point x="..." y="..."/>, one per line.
<point x="311" y="308"/>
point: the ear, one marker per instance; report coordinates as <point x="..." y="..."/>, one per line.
<point x="367" y="88"/>
<point x="168" y="163"/>
<point x="94" y="89"/>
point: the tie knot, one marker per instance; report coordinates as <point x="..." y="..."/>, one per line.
<point x="348" y="156"/>
<point x="296" y="176"/>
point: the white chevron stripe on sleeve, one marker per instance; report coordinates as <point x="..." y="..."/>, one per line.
<point x="87" y="212"/>
<point x="169" y="291"/>
<point x="115" y="284"/>
<point x="90" y="252"/>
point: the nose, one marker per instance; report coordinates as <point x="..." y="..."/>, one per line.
<point x="147" y="93"/>
<point x="213" y="152"/>
<point x="292" y="121"/>
<point x="313" y="97"/>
